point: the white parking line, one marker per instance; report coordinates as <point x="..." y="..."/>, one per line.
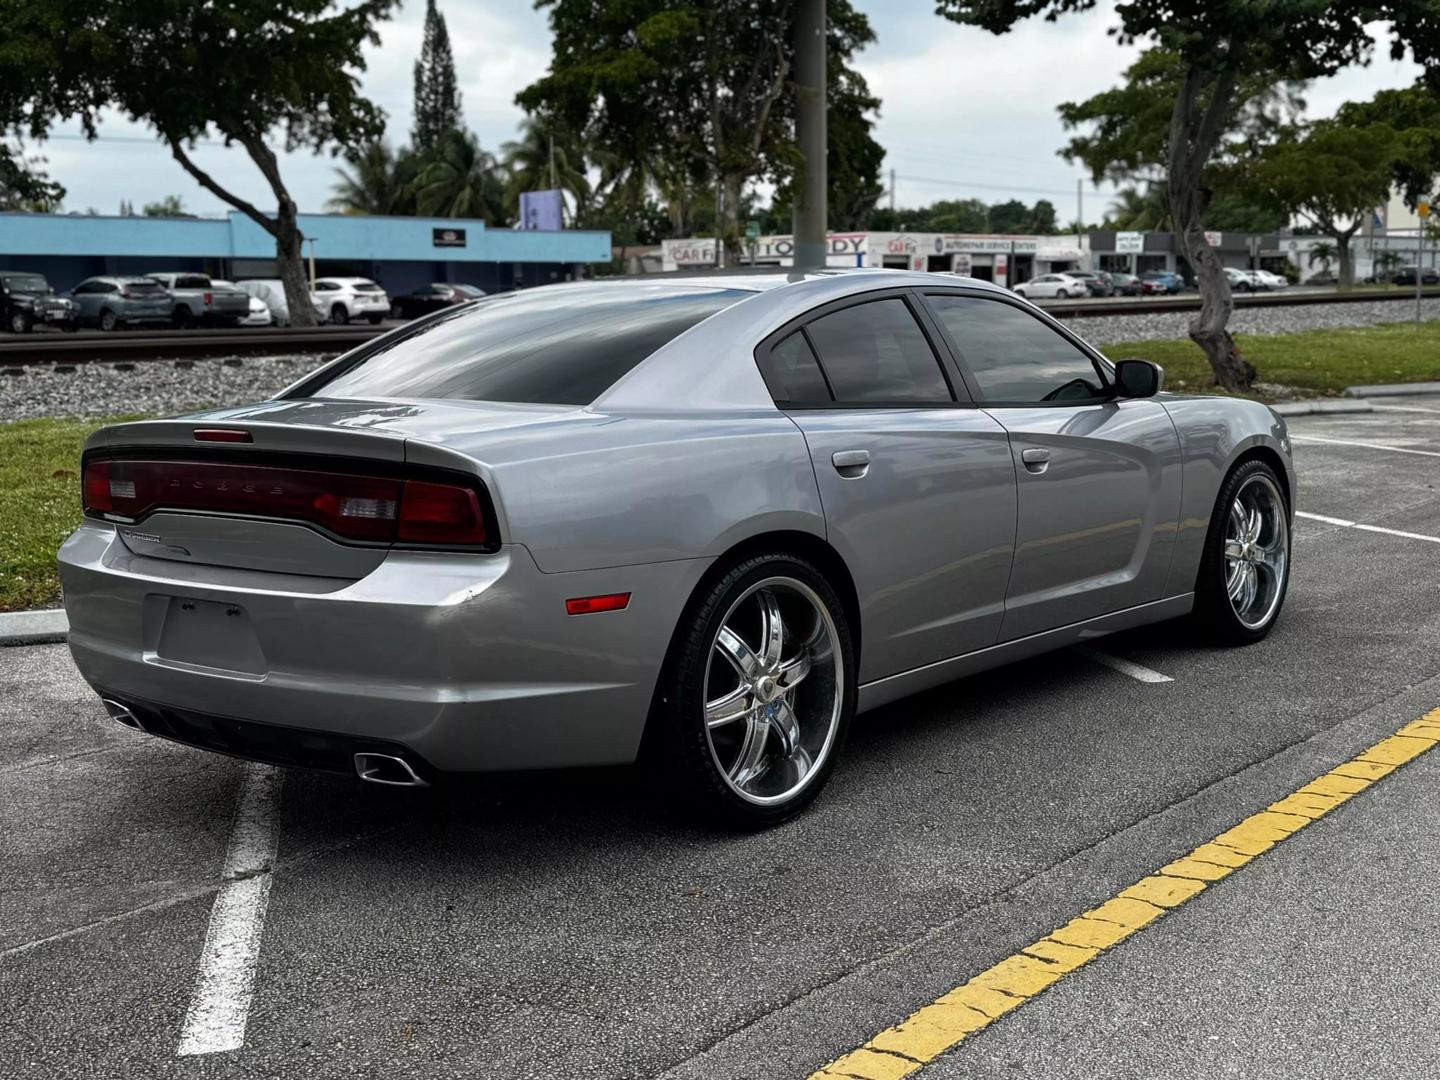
<point x="220" y="1004"/>
<point x="1344" y="524"/>
<point x="1125" y="667"/>
<point x="1366" y="445"/>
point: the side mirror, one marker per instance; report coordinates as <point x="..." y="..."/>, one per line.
<point x="1138" y="378"/>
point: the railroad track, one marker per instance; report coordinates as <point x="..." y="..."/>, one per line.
<point x="92" y="346"/>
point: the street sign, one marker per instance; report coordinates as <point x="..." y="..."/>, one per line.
<point x="1424" y="208"/>
<point x="752" y="231"/>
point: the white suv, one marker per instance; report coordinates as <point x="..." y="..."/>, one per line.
<point x="341" y="299"/>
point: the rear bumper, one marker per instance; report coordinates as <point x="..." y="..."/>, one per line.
<point x="467" y="662"/>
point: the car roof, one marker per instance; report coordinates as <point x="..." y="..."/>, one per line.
<point x="347" y="280"/>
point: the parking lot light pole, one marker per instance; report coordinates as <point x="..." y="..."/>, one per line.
<point x="1422" y="208"/>
<point x="810" y="135"/>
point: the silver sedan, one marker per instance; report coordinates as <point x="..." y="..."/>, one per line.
<point x="706" y="518"/>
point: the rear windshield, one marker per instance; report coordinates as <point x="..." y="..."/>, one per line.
<point x="561" y="346"/>
<point x="367" y="286"/>
<point x="141" y="285"/>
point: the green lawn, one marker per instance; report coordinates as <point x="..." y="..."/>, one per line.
<point x="39" y="505"/>
<point x="40" y="459"/>
<point x="1316" y="362"/>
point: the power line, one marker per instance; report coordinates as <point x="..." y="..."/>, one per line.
<point x="961" y="182"/>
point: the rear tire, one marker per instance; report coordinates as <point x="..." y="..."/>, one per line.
<point x="182" y="318"/>
<point x="1245" y="565"/>
<point x="375" y="319"/>
<point x="740" y="749"/>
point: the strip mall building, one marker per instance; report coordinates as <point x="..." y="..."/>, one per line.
<point x="1005" y="260"/>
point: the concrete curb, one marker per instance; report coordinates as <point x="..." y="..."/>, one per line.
<point x="33" y="627"/>
<point x="1393" y="389"/>
<point x="1324" y="407"/>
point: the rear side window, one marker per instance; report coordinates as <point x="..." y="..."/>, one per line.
<point x="1013" y="356"/>
<point x="563" y="346"/>
<point x="143" y="285"/>
<point x="796" y="373"/>
<point x="876" y="352"/>
<point x="192" y="281"/>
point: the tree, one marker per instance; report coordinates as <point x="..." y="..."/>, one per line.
<point x="250" y="71"/>
<point x="168" y="207"/>
<point x="1414" y="114"/>
<point x="378" y="181"/>
<point x="1219" y="45"/>
<point x="1323" y="252"/>
<point x="547" y="156"/>
<point x="1333" y="175"/>
<point x="23" y="183"/>
<point x="707" y="85"/>
<point x="459" y="179"/>
<point x="437" y="98"/>
<point x="1386" y="262"/>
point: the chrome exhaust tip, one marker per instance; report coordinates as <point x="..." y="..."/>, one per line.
<point x="387" y="769"/>
<point x="122" y="715"/>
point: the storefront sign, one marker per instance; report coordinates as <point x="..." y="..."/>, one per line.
<point x="960" y="263"/>
<point x="1129" y="243"/>
<point x="1213" y="238"/>
<point x="448" y="237"/>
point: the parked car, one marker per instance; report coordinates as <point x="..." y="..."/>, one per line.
<point x="112" y="302"/>
<point x="1406" y="276"/>
<point x="1161" y="282"/>
<point x="258" y="313"/>
<point x="344" y="299"/>
<point x="27" y="300"/>
<point x="1125" y="284"/>
<point x="589" y="515"/>
<point x="271" y="292"/>
<point x="1266" y="279"/>
<point x="1097" y="283"/>
<point x="430" y="298"/>
<point x="1240" y="280"/>
<point x="1052" y="287"/>
<point x="199" y="300"/>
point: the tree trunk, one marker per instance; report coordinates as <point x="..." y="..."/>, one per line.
<point x="1346" y="257"/>
<point x="290" y="254"/>
<point x="729" y="223"/>
<point x="1193" y="138"/>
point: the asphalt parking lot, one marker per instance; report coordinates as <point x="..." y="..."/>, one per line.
<point x="566" y="926"/>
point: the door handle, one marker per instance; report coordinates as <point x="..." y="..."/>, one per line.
<point x="851" y="464"/>
<point x="1036" y="459"/>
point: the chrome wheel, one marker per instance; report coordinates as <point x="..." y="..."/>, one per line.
<point x="1257" y="552"/>
<point x="773" y="690"/>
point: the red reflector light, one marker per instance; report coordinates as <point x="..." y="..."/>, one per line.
<point x="215" y="434"/>
<point x="588" y="605"/>
<point x="96" y="494"/>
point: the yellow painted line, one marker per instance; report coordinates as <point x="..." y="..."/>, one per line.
<point x="927" y="1033"/>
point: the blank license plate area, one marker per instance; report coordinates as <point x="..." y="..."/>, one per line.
<point x="203" y="633"/>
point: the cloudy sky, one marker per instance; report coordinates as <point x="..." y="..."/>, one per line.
<point x="964" y="114"/>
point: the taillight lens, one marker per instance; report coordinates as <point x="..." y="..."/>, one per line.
<point x="209" y="298"/>
<point x="366" y="508"/>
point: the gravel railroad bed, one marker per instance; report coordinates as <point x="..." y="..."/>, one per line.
<point x="167" y="387"/>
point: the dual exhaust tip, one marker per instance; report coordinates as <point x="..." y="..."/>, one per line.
<point x="373" y="768"/>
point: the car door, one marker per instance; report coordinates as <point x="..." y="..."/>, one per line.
<point x="917" y="485"/>
<point x="1098" y="477"/>
<point x="88" y="295"/>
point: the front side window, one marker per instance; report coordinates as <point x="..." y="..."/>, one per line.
<point x="542" y="346"/>
<point x="876" y="352"/>
<point x="1013" y="356"/>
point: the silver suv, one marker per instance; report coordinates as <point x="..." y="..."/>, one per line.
<point x="113" y="301"/>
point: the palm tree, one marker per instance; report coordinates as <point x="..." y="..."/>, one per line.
<point x="459" y="179"/>
<point x="377" y="182"/>
<point x="1323" y="252"/>
<point x="1385" y="264"/>
<point x="1136" y="210"/>
<point x="545" y="157"/>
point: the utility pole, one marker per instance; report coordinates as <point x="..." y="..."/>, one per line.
<point x="1079" y="211"/>
<point x="811" y="211"/>
<point x="892" y="189"/>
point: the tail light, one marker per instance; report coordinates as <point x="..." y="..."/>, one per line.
<point x="209" y="298"/>
<point x="370" y="509"/>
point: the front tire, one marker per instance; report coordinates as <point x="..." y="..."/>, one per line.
<point x="339" y="315"/>
<point x="109" y="321"/>
<point x="757" y="693"/>
<point x="1245" y="566"/>
<point x="19" y="322"/>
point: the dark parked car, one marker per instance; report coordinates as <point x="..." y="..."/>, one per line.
<point x="27" y="299"/>
<point x="1125" y="284"/>
<point x="1406" y="276"/>
<point x="113" y="301"/>
<point x="430" y="298"/>
<point x="1161" y="282"/>
<point x="1096" y="283"/>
